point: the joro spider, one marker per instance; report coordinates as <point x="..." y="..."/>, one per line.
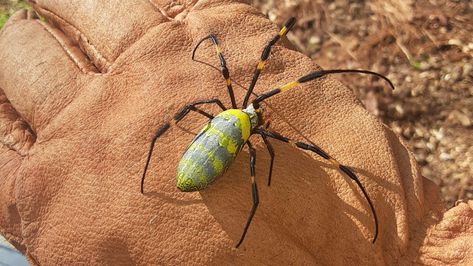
<point x="216" y="146"/>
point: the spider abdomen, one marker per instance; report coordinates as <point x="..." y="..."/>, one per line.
<point x="213" y="150"/>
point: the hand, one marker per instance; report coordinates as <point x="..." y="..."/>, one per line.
<point x="76" y="125"/>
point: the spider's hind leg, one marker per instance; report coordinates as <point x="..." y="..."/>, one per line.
<point x="271" y="154"/>
<point x="254" y="192"/>
<point x="177" y="117"/>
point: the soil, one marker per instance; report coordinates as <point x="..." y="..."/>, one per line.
<point x="425" y="48"/>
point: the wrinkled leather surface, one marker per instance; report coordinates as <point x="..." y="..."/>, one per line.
<point x="82" y="95"/>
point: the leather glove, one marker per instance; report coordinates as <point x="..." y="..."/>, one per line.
<point x="83" y="94"/>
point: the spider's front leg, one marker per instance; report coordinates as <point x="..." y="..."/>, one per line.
<point x="178" y="117"/>
<point x="265" y="55"/>
<point x="223" y="65"/>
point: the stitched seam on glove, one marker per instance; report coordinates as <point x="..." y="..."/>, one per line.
<point x="99" y="62"/>
<point x="15" y="133"/>
<point x="173" y="10"/>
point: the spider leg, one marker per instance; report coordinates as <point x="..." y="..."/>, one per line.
<point x="192" y="107"/>
<point x="265" y="55"/>
<point x="223" y="66"/>
<point x="326" y="156"/>
<point x="254" y="192"/>
<point x="313" y="76"/>
<point x="271" y="154"/>
<point x="177" y="117"/>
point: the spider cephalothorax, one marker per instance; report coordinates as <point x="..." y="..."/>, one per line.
<point x="216" y="146"/>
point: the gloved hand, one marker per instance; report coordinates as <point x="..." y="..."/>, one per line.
<point x="76" y="125"/>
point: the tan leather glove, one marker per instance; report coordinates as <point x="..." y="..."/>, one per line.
<point x="76" y="125"/>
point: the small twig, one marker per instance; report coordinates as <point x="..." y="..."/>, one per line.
<point x="404" y="50"/>
<point x="343" y="45"/>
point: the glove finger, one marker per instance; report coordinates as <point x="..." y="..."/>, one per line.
<point x="10" y="223"/>
<point x="40" y="70"/>
<point x="107" y="28"/>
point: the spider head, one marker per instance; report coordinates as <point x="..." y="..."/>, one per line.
<point x="255" y="115"/>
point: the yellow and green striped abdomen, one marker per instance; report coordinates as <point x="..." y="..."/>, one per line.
<point x="213" y="150"/>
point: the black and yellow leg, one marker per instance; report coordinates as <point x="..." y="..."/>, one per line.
<point x="223" y="66"/>
<point x="177" y="117"/>
<point x="326" y="156"/>
<point x="312" y="76"/>
<point x="254" y="192"/>
<point x="265" y="55"/>
<point x="192" y="107"/>
<point x="271" y="154"/>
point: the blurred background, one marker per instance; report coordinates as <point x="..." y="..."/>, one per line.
<point x="425" y="47"/>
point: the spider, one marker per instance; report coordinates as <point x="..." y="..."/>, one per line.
<point x="217" y="145"/>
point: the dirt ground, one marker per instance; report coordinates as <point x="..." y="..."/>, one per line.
<point x="8" y="7"/>
<point x="425" y="47"/>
